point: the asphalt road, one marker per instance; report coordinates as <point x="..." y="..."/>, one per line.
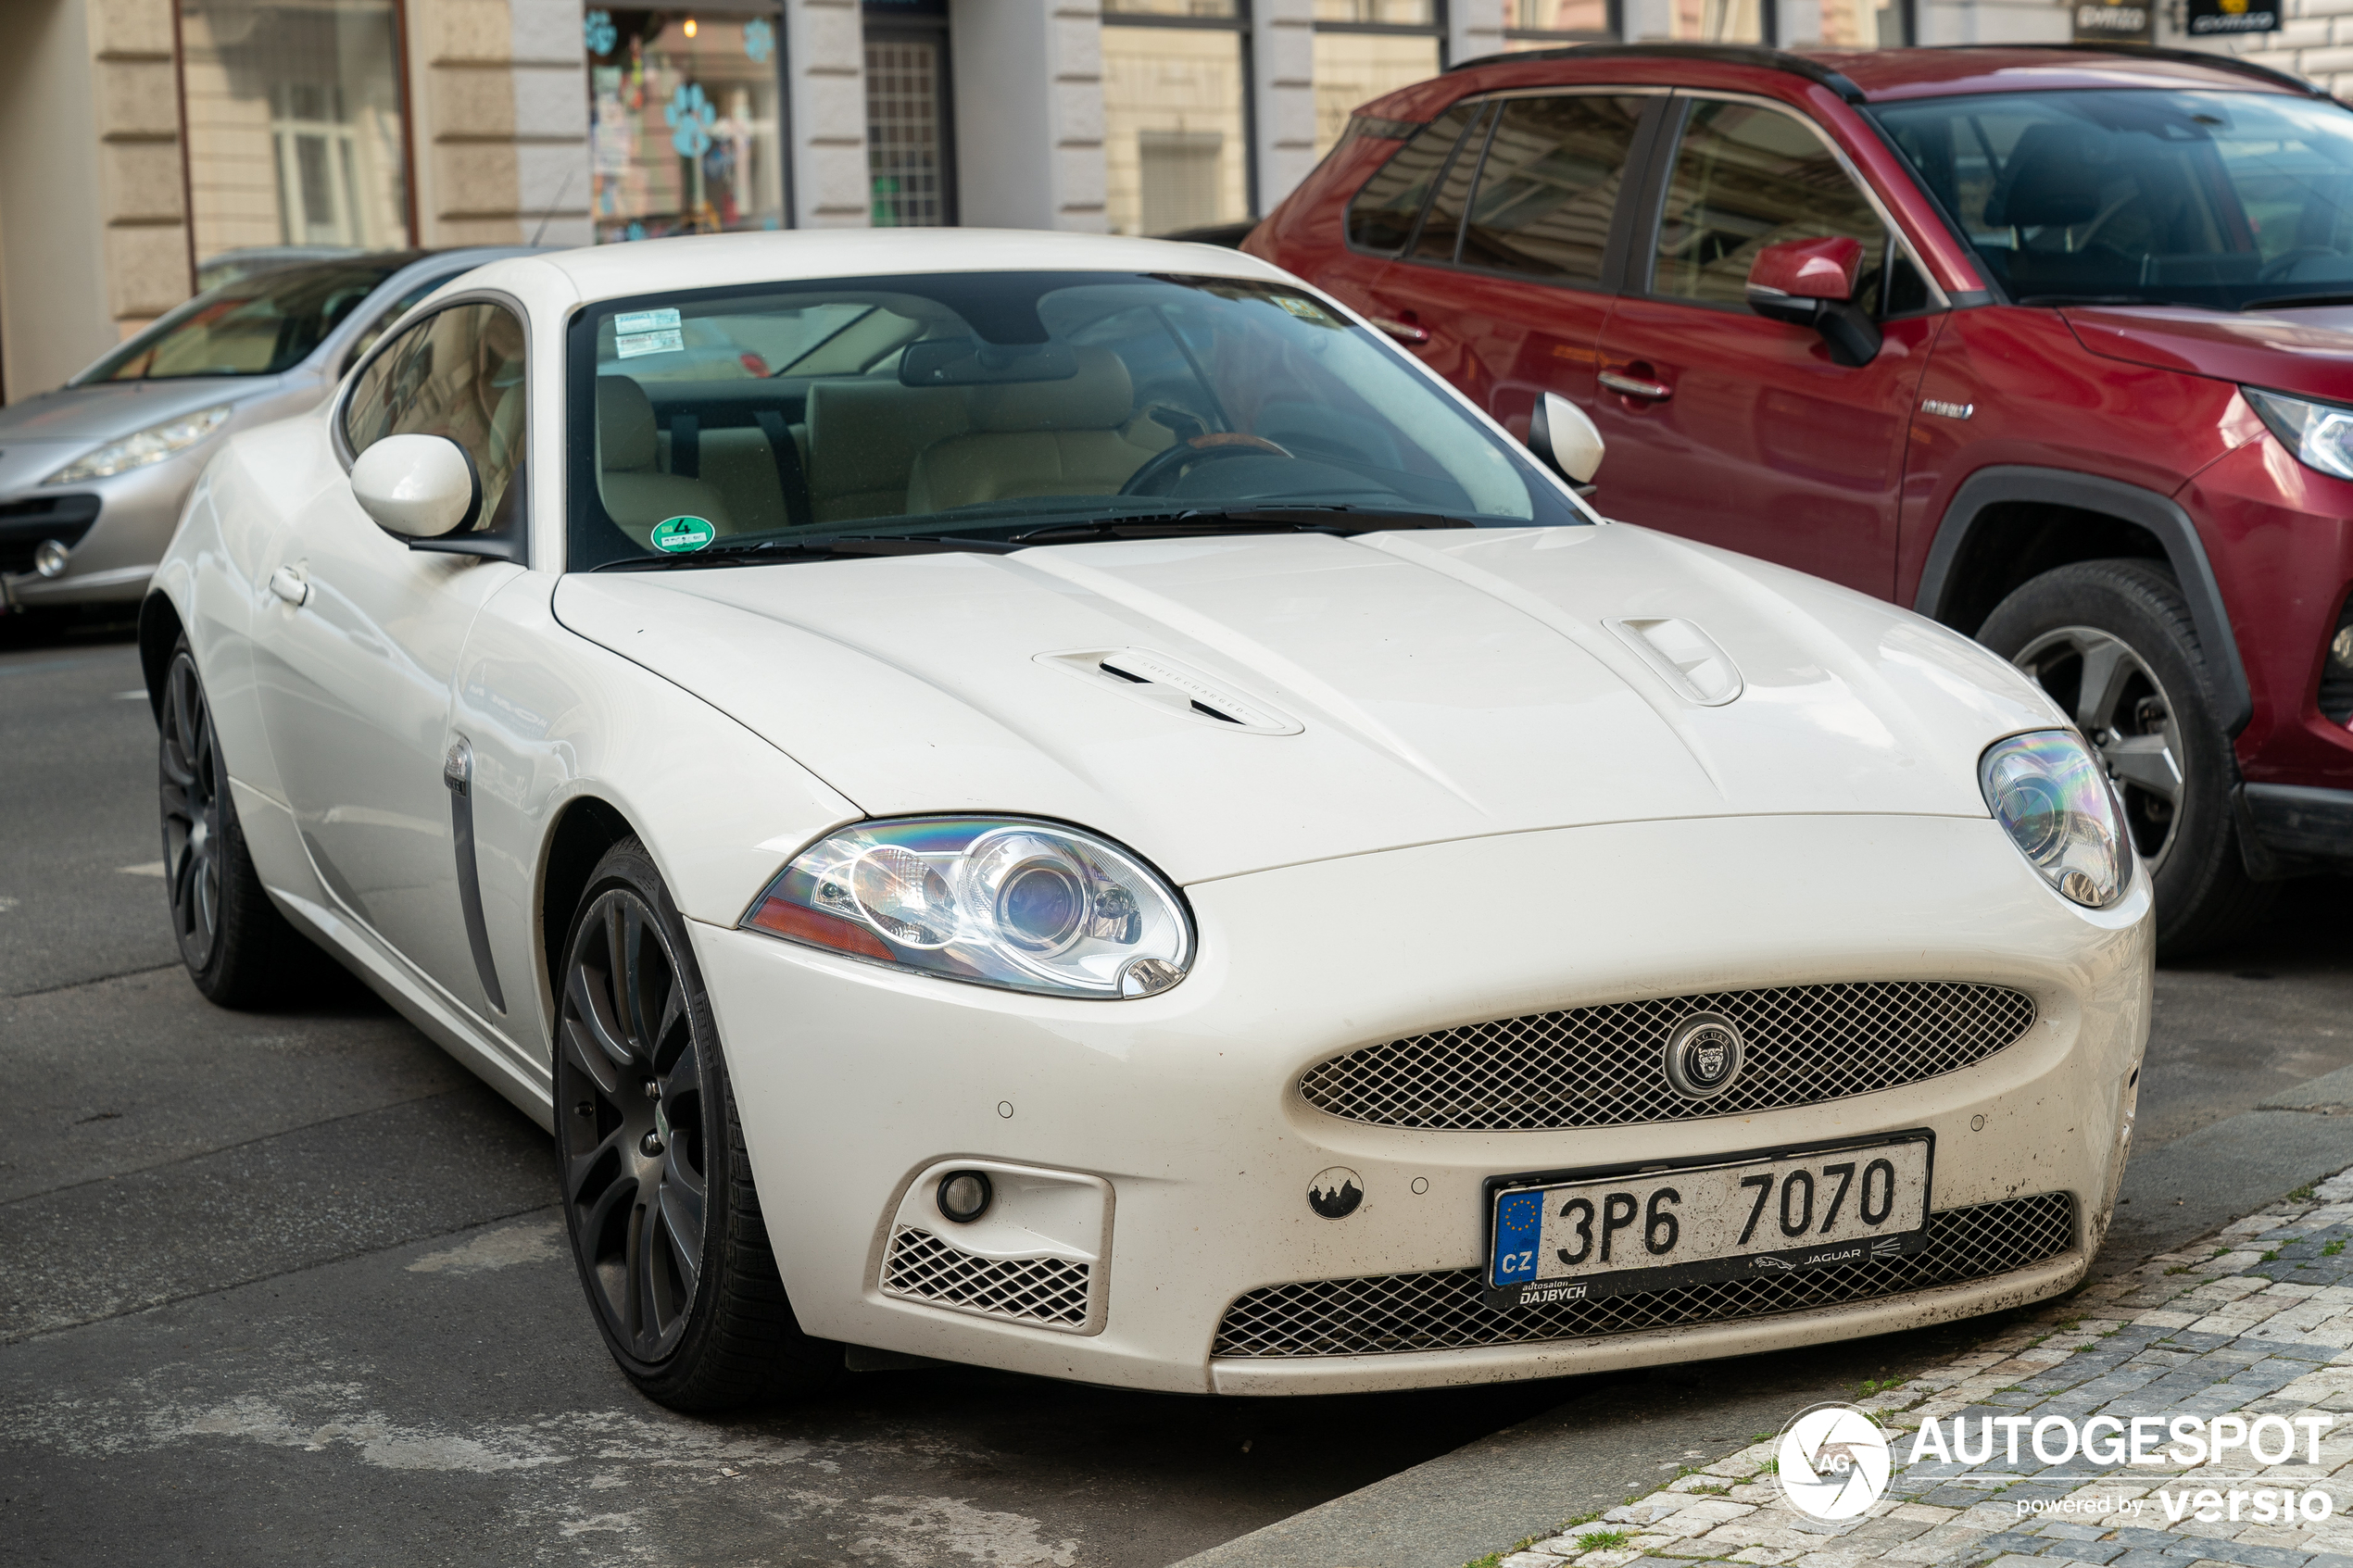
<point x="287" y="1287"/>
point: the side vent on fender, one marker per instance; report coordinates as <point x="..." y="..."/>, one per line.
<point x="1174" y="687"/>
<point x="1686" y="657"/>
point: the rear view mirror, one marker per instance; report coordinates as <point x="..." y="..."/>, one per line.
<point x="1811" y="283"/>
<point x="1559" y="432"/>
<point x="417" y="487"/>
<point x="965" y="362"/>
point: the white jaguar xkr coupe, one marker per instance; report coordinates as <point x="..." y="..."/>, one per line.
<point x="1059" y="803"/>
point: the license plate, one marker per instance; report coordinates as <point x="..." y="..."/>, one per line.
<point x="1585" y="1238"/>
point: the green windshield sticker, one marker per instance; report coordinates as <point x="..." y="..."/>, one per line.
<point x="678" y="535"/>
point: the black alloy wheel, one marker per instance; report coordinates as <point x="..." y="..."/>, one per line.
<point x="633" y="1167"/>
<point x="657" y="1189"/>
<point x="2111" y="641"/>
<point x="195" y="789"/>
<point x="237" y="948"/>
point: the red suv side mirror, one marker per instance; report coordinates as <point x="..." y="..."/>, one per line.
<point x="1811" y="283"/>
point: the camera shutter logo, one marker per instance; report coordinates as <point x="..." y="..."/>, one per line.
<point x="1833" y="1461"/>
<point x="1704" y="1055"/>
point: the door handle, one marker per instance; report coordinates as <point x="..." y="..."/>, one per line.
<point x="1634" y="386"/>
<point x="289" y="585"/>
<point x="1405" y="333"/>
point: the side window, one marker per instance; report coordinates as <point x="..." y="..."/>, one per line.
<point x="1550" y="186"/>
<point x="459" y="373"/>
<point x="1381" y="216"/>
<point x="1747" y="177"/>
<point x="1443" y="227"/>
<point x="388" y="315"/>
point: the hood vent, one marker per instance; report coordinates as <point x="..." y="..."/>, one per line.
<point x="1686" y="657"/>
<point x="1172" y="687"/>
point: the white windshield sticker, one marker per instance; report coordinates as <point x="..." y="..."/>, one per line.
<point x="644" y="321"/>
<point x="630" y="344"/>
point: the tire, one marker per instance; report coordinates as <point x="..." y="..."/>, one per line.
<point x="664" y="1220"/>
<point x="2152" y="720"/>
<point x="237" y="948"/>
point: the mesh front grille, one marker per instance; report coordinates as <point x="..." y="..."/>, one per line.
<point x="1604" y="1066"/>
<point x="922" y="1267"/>
<point x="1445" y="1312"/>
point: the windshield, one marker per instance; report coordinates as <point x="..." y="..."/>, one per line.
<point x="986" y="405"/>
<point x="2227" y="200"/>
<point x="253" y="326"/>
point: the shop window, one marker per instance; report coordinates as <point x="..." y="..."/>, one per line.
<point x="1176" y="116"/>
<point x="295" y="135"/>
<point x="1366" y="49"/>
<point x="684" y="135"/>
<point x="909" y="146"/>
<point x="1550" y="24"/>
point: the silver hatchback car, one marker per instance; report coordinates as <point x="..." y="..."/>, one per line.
<point x="93" y="475"/>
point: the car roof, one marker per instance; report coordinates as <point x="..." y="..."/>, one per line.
<point x="701" y="261"/>
<point x="1860" y="75"/>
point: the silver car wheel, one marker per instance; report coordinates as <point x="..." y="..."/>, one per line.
<point x="2124" y="711"/>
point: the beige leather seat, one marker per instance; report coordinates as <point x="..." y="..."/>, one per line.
<point x="863" y="438"/>
<point x="635" y="492"/>
<point x="1035" y="438"/>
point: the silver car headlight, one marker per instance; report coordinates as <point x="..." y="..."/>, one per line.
<point x="2320" y="434"/>
<point x="151" y="445"/>
<point x="1029" y="905"/>
<point x="2051" y="796"/>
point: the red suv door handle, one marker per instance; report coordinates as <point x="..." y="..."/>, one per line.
<point x="1406" y="331"/>
<point x="1634" y="386"/>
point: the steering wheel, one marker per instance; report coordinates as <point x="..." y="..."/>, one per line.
<point x="1161" y="472"/>
<point x="2282" y="266"/>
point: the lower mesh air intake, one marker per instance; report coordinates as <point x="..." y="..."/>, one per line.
<point x="1444" y="1311"/>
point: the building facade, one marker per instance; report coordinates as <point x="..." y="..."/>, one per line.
<point x="149" y="147"/>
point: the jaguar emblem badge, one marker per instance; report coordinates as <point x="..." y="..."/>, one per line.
<point x="1704" y="1055"/>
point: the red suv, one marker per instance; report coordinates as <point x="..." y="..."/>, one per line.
<point x="2054" y="344"/>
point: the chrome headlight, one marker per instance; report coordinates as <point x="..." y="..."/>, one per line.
<point x="1025" y="905"/>
<point x="2320" y="434"/>
<point x="151" y="445"/>
<point x="2051" y="796"/>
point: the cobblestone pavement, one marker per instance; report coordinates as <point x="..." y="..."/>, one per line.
<point x="2254" y="1320"/>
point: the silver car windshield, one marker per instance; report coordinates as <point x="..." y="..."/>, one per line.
<point x="986" y="405"/>
<point x="260" y="325"/>
<point x="2231" y="201"/>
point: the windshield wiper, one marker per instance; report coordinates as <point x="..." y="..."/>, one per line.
<point x="2105" y="299"/>
<point x="1280" y="520"/>
<point x="2298" y="301"/>
<point x="769" y="552"/>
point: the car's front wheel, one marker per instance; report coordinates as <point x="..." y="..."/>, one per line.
<point x="657" y="1194"/>
<point x="2112" y="641"/>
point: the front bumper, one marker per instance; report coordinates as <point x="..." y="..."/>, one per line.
<point x="114" y="553"/>
<point x="854" y="1081"/>
<point x="2287" y="830"/>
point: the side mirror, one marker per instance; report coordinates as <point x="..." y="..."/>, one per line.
<point x="417" y="487"/>
<point x="1811" y="283"/>
<point x="1559" y="432"/>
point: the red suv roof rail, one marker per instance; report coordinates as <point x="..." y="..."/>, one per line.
<point x="1815" y="71"/>
<point x="2180" y="56"/>
<point x="1726" y="53"/>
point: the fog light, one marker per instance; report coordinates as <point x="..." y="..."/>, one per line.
<point x="49" y="557"/>
<point x="965" y="1195"/>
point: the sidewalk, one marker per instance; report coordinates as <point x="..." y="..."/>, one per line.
<point x="2256" y="1319"/>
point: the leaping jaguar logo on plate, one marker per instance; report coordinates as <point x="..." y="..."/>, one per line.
<point x="1832" y="1461"/>
<point x="1335" y="1192"/>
